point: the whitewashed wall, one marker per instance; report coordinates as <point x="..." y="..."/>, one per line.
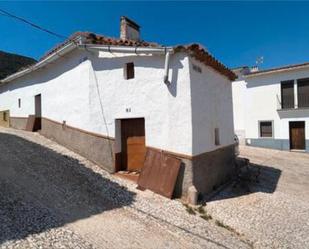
<point x="239" y="103"/>
<point x="212" y="107"/>
<point x="261" y="104"/>
<point x="167" y="110"/>
<point x="88" y="91"/>
<point x="63" y="87"/>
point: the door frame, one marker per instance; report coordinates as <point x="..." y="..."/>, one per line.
<point x="37" y="115"/>
<point x="118" y="141"/>
<point x="290" y="136"/>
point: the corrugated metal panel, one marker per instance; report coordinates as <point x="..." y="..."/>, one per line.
<point x="159" y="173"/>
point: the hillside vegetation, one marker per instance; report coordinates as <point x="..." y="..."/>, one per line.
<point x="11" y="63"/>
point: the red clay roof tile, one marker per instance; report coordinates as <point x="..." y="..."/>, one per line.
<point x="194" y="50"/>
<point x="199" y="52"/>
<point x="92" y="38"/>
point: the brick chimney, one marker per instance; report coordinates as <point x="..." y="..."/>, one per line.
<point x="129" y="29"/>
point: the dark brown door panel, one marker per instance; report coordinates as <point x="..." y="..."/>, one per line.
<point x="297" y="135"/>
<point x="133" y="148"/>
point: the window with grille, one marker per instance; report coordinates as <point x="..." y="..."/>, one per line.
<point x="303" y="92"/>
<point x="266" y="129"/>
<point x="287" y="94"/>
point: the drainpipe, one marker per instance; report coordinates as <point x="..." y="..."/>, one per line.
<point x="167" y="51"/>
<point x="166" y="68"/>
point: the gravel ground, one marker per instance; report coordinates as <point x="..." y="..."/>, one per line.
<point x="19" y="218"/>
<point x="275" y="214"/>
<point x="53" y="198"/>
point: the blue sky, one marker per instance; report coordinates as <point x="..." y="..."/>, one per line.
<point x="234" y="32"/>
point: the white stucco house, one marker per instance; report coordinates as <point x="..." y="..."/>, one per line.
<point x="112" y="99"/>
<point x="271" y="107"/>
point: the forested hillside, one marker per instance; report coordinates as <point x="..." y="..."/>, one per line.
<point x="10" y="63"/>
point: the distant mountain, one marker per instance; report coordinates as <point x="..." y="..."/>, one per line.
<point x="11" y="63"/>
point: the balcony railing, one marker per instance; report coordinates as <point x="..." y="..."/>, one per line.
<point x="288" y="102"/>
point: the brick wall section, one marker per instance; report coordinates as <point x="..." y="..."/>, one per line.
<point x="18" y="123"/>
<point x="206" y="171"/>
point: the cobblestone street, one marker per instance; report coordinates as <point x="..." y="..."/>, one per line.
<point x="276" y="212"/>
<point x="52" y="198"/>
<point x="154" y="125"/>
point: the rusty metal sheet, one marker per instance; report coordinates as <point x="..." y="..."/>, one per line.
<point x="33" y="123"/>
<point x="159" y="173"/>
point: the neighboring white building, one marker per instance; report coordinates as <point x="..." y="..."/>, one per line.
<point x="271" y="107"/>
<point x="111" y="100"/>
<point x="239" y="91"/>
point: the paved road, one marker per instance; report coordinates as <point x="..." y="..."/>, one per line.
<point x="276" y="212"/>
<point x="52" y="198"/>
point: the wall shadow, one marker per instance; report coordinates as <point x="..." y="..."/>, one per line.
<point x="293" y="113"/>
<point x="266" y="182"/>
<point x="42" y="189"/>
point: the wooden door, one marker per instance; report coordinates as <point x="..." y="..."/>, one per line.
<point x="37" y="106"/>
<point x="133" y="148"/>
<point x="297" y="136"/>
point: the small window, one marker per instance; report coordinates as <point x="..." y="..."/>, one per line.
<point x="19" y="103"/>
<point x="4" y="116"/>
<point x="217" y="136"/>
<point x="266" y="128"/>
<point x="128" y="71"/>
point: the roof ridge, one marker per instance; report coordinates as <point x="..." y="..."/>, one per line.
<point x="95" y="38"/>
<point x="273" y="69"/>
<point x="195" y="50"/>
<point x="200" y="53"/>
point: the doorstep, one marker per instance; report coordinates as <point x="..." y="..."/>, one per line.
<point x="298" y="150"/>
<point x="128" y="175"/>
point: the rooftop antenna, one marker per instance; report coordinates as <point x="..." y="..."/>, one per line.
<point x="259" y="61"/>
